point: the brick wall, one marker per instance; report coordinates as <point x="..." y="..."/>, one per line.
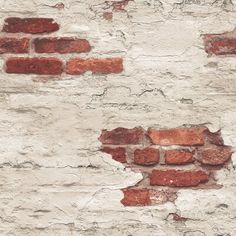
<point x="73" y="73"/>
<point x="43" y="65"/>
<point x="173" y="158"/>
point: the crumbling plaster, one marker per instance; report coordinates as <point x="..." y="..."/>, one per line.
<point x="54" y="180"/>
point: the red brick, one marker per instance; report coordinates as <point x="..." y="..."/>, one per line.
<point x="41" y="66"/>
<point x="178" y="136"/>
<point x="177" y="178"/>
<point x="121" y="136"/>
<point x="61" y="45"/>
<point x="136" y="197"/>
<point x="29" y="25"/>
<point x="117" y="154"/>
<point x="215" y="156"/>
<point x="96" y="66"/>
<point x="220" y="44"/>
<point x="14" y="45"/>
<point x="178" y="157"/>
<point x="143" y="197"/>
<point x="146" y="156"/>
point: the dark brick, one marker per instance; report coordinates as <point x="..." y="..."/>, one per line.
<point x="61" y="45"/>
<point x="177" y="178"/>
<point x="14" y="45"/>
<point x="29" y="25"/>
<point x="147" y="156"/>
<point x="41" y="66"/>
<point x="121" y="136"/>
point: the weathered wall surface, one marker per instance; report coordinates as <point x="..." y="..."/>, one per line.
<point x="54" y="178"/>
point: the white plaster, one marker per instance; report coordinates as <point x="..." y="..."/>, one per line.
<point x="54" y="180"/>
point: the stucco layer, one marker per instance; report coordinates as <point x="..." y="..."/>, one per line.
<point x="54" y="179"/>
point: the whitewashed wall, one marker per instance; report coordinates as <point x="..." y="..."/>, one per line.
<point x="53" y="178"/>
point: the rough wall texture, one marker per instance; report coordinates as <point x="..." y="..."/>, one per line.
<point x="168" y="159"/>
<point x="160" y="64"/>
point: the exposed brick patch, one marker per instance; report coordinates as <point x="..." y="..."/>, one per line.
<point x="61" y="45"/>
<point x="147" y="156"/>
<point x="215" y="156"/>
<point x="14" y="45"/>
<point x="178" y="157"/>
<point x="29" y="25"/>
<point x="122" y="136"/>
<point x="177" y="178"/>
<point x="179" y="136"/>
<point x="96" y="66"/>
<point x="40" y="66"/>
<point x="48" y="45"/>
<point x="220" y="44"/>
<point x="117" y="154"/>
<point x="196" y="152"/>
<point x="143" y="197"/>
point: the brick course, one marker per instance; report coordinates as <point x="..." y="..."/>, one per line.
<point x="187" y="165"/>
<point x="48" y="45"/>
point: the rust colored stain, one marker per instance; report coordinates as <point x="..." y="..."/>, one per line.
<point x="146" y="156"/>
<point x="122" y="136"/>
